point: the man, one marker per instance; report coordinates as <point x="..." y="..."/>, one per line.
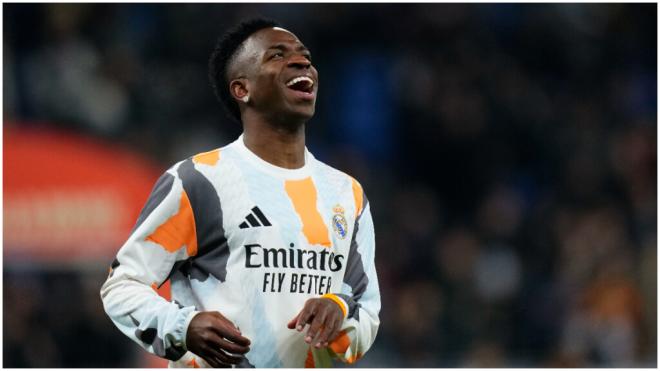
<point x="270" y="253"/>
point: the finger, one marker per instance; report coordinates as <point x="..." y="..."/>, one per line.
<point x="316" y="341"/>
<point x="217" y="363"/>
<point x="292" y="323"/>
<point x="335" y="333"/>
<point x="211" y="361"/>
<point x="316" y="327"/>
<point x="232" y="347"/>
<point x="328" y="329"/>
<point x="320" y="337"/>
<point x="227" y="330"/>
<point x="237" y="339"/>
<point x="305" y="316"/>
<point x="223" y="357"/>
<point x="214" y="341"/>
<point x="228" y="358"/>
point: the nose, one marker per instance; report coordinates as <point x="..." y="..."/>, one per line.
<point x="299" y="61"/>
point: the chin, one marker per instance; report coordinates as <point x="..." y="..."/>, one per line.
<point x="300" y="113"/>
<point x="307" y="114"/>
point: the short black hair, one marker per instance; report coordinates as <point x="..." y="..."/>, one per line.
<point x="224" y="50"/>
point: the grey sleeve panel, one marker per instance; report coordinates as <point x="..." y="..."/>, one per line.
<point x="161" y="190"/>
<point x="365" y="201"/>
<point x="355" y="276"/>
<point x="353" y="306"/>
<point x="150" y="336"/>
<point x="212" y="248"/>
<point x="115" y="264"/>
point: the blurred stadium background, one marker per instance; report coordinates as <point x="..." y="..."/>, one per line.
<point x="509" y="153"/>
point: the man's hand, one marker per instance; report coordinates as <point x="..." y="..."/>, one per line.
<point x="216" y="339"/>
<point x="324" y="317"/>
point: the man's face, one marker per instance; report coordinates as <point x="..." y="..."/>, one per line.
<point x="283" y="83"/>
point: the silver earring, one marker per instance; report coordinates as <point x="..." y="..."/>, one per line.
<point x="246" y="98"/>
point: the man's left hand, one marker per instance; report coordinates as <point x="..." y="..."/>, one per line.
<point x="324" y="317"/>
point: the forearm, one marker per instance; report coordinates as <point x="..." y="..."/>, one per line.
<point x="361" y="294"/>
<point x="355" y="338"/>
<point x="148" y="319"/>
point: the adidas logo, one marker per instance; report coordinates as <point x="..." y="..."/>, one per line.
<point x="251" y="220"/>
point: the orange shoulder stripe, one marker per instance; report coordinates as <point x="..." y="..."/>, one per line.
<point x="358" y="195"/>
<point x="178" y="230"/>
<point x="208" y="158"/>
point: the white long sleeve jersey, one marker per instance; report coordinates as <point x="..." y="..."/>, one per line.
<point x="253" y="241"/>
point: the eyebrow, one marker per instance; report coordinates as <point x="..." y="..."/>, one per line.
<point x="284" y="47"/>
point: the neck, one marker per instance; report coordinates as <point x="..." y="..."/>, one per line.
<point x="280" y="145"/>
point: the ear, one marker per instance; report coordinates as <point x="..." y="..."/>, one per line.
<point x="238" y="88"/>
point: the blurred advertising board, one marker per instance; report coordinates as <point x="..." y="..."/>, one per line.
<point x="69" y="198"/>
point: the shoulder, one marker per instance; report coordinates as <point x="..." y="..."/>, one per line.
<point x="213" y="157"/>
<point x="209" y="158"/>
<point x="336" y="176"/>
<point x="201" y="162"/>
<point x="345" y="181"/>
<point x="196" y="172"/>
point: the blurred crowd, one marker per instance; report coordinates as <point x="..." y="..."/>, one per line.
<point x="508" y="151"/>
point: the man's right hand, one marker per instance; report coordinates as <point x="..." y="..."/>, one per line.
<point x="216" y="339"/>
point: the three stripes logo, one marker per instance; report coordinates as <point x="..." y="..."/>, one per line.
<point x="252" y="221"/>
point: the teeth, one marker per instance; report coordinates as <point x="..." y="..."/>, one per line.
<point x="299" y="79"/>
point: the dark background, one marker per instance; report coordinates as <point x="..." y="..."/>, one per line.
<point x="508" y="151"/>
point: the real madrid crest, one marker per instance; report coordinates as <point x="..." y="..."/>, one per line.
<point x="339" y="222"/>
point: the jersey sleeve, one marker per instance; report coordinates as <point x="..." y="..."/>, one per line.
<point x="163" y="235"/>
<point x="359" y="291"/>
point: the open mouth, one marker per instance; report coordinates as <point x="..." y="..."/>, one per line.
<point x="302" y="84"/>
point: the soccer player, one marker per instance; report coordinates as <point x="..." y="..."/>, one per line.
<point x="270" y="253"/>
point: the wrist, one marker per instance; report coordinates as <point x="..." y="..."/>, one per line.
<point x="186" y="326"/>
<point x="339" y="301"/>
